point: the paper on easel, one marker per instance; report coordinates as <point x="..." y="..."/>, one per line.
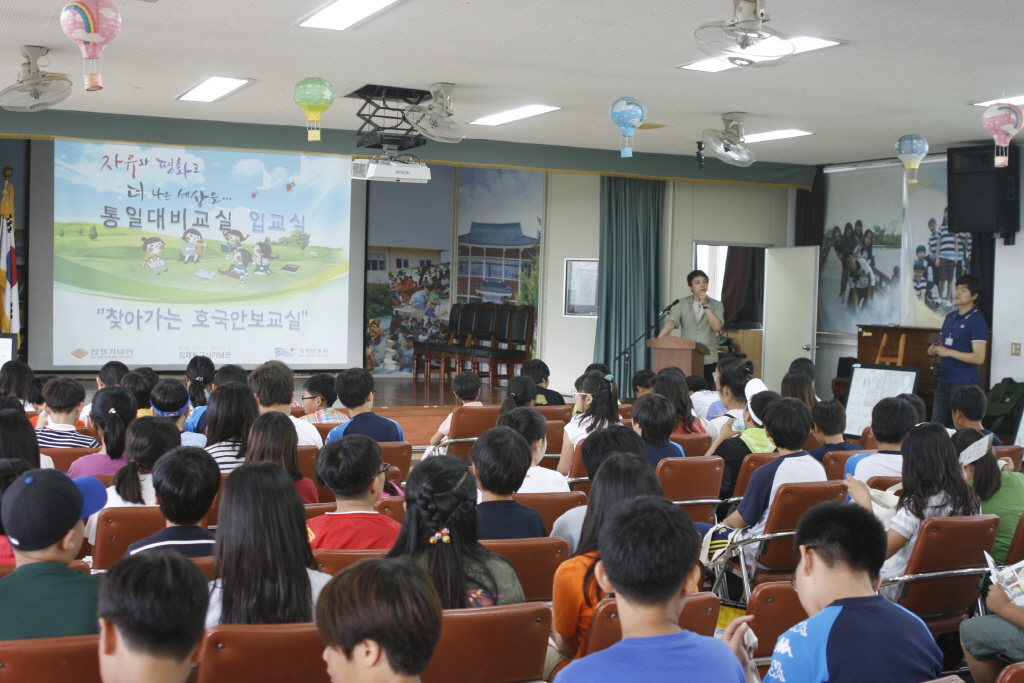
<point x="1010" y="579"/>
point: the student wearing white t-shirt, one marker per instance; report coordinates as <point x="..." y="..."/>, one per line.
<point x="272" y="384"/>
<point x="732" y="381"/>
<point x="891" y="421"/>
<point x="531" y="426"/>
<point x="597" y="407"/>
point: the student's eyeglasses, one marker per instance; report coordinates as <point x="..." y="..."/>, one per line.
<point x="384" y="467"/>
<point x="309" y="398"/>
<point x="581" y="393"/>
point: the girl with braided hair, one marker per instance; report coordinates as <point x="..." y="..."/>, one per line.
<point x="439" y="534"/>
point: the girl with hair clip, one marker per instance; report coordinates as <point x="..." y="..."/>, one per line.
<point x="671" y="383"/>
<point x="113" y="410"/>
<point x="597" y="404"/>
<point x="439" y="534"/>
<point x="232" y="411"/>
<point x="575" y="594"/>
<point x="796" y="384"/>
<point x="522" y="393"/>
<point x="199" y="376"/>
<point x="532" y="426"/>
<point x="272" y="438"/>
<point x="262" y="562"/>
<point x="15" y="376"/>
<point x="18" y="440"/>
<point x="146" y="440"/>
<point x="933" y="486"/>
<point x="1000" y="492"/>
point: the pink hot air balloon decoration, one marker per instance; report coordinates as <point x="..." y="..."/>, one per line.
<point x="92" y="24"/>
<point x="1002" y="121"/>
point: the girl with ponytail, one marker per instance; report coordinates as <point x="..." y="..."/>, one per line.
<point x="439" y="534"/>
<point x="522" y="392"/>
<point x="113" y="409"/>
<point x="597" y="407"/>
<point x="199" y="380"/>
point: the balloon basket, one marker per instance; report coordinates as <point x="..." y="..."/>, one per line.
<point x="93" y="82"/>
<point x="1002" y="162"/>
<point x="911" y="181"/>
<point x="313" y="135"/>
<point x="626" y="153"/>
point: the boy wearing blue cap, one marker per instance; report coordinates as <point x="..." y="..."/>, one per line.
<point x="43" y="513"/>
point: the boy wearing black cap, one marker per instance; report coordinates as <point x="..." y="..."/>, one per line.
<point x="43" y="513"/>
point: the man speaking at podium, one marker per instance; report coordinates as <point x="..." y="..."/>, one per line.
<point x="698" y="318"/>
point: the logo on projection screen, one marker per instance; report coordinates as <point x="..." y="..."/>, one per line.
<point x="286" y="353"/>
<point x="79" y="353"/>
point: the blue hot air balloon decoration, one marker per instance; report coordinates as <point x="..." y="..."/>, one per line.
<point x="628" y="113"/>
<point x="910" y="149"/>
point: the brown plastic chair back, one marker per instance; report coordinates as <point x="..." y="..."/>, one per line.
<point x="943" y="544"/>
<point x="883" y="483"/>
<point x="576" y="466"/>
<point x="810" y="443"/>
<point x="88" y="431"/>
<point x="232" y="653"/>
<point x="776" y="608"/>
<point x="551" y="506"/>
<point x="307" y="465"/>
<point x="563" y="413"/>
<point x="392" y="506"/>
<point x="699" y="615"/>
<point x="214" y="512"/>
<point x="556" y="434"/>
<point x="106" y="479"/>
<point x="469" y="422"/>
<point x="334" y="561"/>
<point x="692" y="479"/>
<point x="466" y="652"/>
<point x="324" y="428"/>
<point x="750" y="463"/>
<point x="535" y="561"/>
<point x="1016" y="552"/>
<point x="63" y="457"/>
<point x="868" y="440"/>
<point x="118" y="528"/>
<point x="397" y="454"/>
<point x="1012" y="674"/>
<point x="205" y="565"/>
<point x="694" y="445"/>
<point x="791" y="501"/>
<point x="49" y="660"/>
<point x="835" y="463"/>
<point x="317" y="509"/>
<point x="1014" y="454"/>
<point x="298" y="411"/>
<point x="626" y="411"/>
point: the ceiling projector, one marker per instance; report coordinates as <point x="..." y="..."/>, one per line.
<point x="390" y="170"/>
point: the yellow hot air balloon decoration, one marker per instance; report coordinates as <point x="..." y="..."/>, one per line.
<point x="314" y="96"/>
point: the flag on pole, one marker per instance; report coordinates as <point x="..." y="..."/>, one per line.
<point x="10" y="317"/>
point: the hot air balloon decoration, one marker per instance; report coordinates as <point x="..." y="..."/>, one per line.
<point x="628" y="113"/>
<point x="313" y="95"/>
<point x="910" y="149"/>
<point x="1002" y="121"/>
<point x="92" y="24"/>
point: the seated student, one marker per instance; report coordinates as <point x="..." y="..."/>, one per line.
<point x="829" y="426"/>
<point x="466" y="387"/>
<point x="197" y="419"/>
<point x="842" y="548"/>
<point x="272" y="439"/>
<point x="109" y="376"/>
<point x="146" y="441"/>
<point x="15" y="377"/>
<point x="272" y="384"/>
<point x="575" y="594"/>
<point x="500" y="458"/>
<point x="262" y="552"/>
<point x="63" y="399"/>
<point x="355" y="391"/>
<point x="919" y="406"/>
<point x="113" y="409"/>
<point x="596" y="449"/>
<point x="200" y="380"/>
<point x="170" y="399"/>
<point x="891" y="421"/>
<point x="671" y="383"/>
<point x="439" y="534"/>
<point x="746" y="371"/>
<point x="968" y="405"/>
<point x="933" y="486"/>
<point x="643" y="382"/>
<point x="522" y="393"/>
<point x="231" y="412"/>
<point x="351" y="467"/>
<point x="380" y="620"/>
<point x="797" y="384"/>
<point x="597" y="400"/>
<point x="18" y="439"/>
<point x="318" y="397"/>
<point x="999" y="492"/>
<point x="737" y="445"/>
<point x="151" y="609"/>
<point x="532" y="426"/>
<point x="141" y="385"/>
<point x="992" y="641"/>
<point x="43" y="597"/>
<point x="649" y="561"/>
<point x="9" y="471"/>
<point x="732" y="383"/>
<point x="654" y="418"/>
<point x="34" y="397"/>
<point x="787" y="422"/>
<point x="701" y="397"/>
<point x="538" y="371"/>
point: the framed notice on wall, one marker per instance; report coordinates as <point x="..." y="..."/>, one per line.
<point x="580" y="287"/>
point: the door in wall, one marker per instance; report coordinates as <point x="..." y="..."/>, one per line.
<point x="790" y="309"/>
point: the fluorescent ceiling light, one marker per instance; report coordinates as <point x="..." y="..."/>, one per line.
<point x="801" y="43"/>
<point x="514" y="115"/>
<point x="343" y="14"/>
<point x="775" y="135"/>
<point x="1019" y="99"/>
<point x="214" y="88"/>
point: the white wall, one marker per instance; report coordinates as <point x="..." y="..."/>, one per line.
<point x="1007" y="320"/>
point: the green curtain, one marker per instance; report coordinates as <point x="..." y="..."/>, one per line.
<point x="629" y="274"/>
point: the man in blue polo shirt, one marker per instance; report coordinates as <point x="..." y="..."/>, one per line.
<point x="355" y="391"/>
<point x="962" y="348"/>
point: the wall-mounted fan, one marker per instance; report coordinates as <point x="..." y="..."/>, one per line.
<point x="744" y="41"/>
<point x="727" y="144"/>
<point x="35" y="90"/>
<point x="434" y="120"/>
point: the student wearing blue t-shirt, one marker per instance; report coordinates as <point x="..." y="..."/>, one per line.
<point x="654" y="418"/>
<point x="355" y="391"/>
<point x="962" y="347"/>
<point x="648" y="552"/>
<point x="829" y="426"/>
<point x="852" y="634"/>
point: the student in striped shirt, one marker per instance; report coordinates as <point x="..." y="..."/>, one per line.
<point x="949" y="250"/>
<point x="63" y="399"/>
<point x="232" y="410"/>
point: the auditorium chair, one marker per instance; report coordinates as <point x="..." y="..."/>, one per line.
<point x="1011" y="674"/>
<point x="776" y="608"/>
<point x="579" y="478"/>
<point x="555" y="436"/>
<point x="333" y="561"/>
<point x="1016" y="551"/>
<point x="810" y="443"/>
<point x="535" y="561"/>
<point x="510" y="343"/>
<point x="942" y="581"/>
<point x="884" y="483"/>
<point x="306" y="456"/>
<point x="298" y="412"/>
<point x="868" y="440"/>
<point x="835" y="463"/>
<point x="699" y="615"/>
<point x="694" y="445"/>
<point x="398" y="454"/>
<point x="317" y="509"/>
<point x="392" y="506"/>
<point x="563" y="413"/>
<point x="468" y="650"/>
<point x="49" y="660"/>
<point x="205" y="565"/>
<point x="468" y="423"/>
<point x="118" y="528"/>
<point x="750" y="463"/>
<point x="324" y="428"/>
<point x="214" y="512"/>
<point x="1012" y="453"/>
<point x="551" y="506"/>
<point x="63" y="457"/>
<point x="246" y="653"/>
<point x="693" y="484"/>
<point x="625" y="411"/>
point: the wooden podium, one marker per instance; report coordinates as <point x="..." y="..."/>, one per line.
<point x="677" y="352"/>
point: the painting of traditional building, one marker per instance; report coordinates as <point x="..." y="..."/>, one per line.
<point x="493" y="257"/>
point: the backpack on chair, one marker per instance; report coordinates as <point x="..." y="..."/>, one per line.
<point x="1005" y="405"/>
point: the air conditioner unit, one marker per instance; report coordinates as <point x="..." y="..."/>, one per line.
<point x="392" y="171"/>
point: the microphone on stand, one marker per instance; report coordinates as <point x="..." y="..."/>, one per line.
<point x="670" y="306"/>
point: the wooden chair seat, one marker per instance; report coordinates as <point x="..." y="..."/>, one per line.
<point x="535" y="561"/>
<point x="118" y="528"/>
<point x="776" y="608"/>
<point x="49" y="660"/>
<point x="693" y="484"/>
<point x="333" y="561"/>
<point x="247" y="653"/>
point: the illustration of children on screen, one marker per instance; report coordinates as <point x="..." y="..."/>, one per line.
<point x="240" y="268"/>
<point x="233" y="240"/>
<point x="261" y="257"/>
<point x="193" y="247"/>
<point x="153" y="246"/>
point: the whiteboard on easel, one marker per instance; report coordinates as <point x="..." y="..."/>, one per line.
<point x="869" y="384"/>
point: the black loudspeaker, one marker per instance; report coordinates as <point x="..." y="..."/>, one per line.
<point x="983" y="198"/>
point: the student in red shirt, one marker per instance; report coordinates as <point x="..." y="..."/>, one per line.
<point x="352" y="468"/>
